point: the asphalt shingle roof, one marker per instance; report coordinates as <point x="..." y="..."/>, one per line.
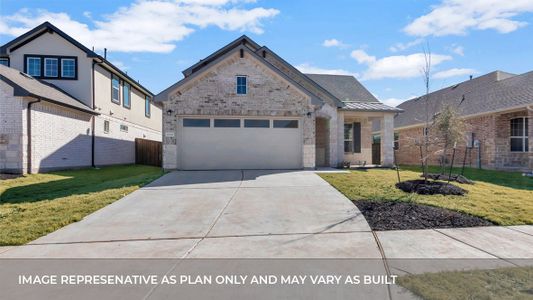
<point x="345" y="87"/>
<point x="25" y="85"/>
<point x="491" y="92"/>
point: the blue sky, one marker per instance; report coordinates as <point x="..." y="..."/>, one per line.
<point x="380" y="42"/>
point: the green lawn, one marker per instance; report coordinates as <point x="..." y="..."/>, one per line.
<point x="35" y="205"/>
<point x="497" y="203"/>
<point x="505" y="283"/>
<point x="509" y="179"/>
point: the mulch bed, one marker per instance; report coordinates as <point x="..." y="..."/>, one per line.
<point x="430" y="187"/>
<point x="455" y="177"/>
<point x="393" y="215"/>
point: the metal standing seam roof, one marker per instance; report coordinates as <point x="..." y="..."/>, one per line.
<point x="491" y="92"/>
<point x="369" y="106"/>
<point x="25" y="85"/>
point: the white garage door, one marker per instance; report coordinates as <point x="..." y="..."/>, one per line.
<point x="240" y="143"/>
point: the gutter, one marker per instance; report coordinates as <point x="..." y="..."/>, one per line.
<point x="28" y="133"/>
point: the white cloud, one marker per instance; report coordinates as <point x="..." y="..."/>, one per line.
<point x="334" y="43"/>
<point x="454" y="73"/>
<point x="404" y="46"/>
<point x="396" y="66"/>
<point x="459" y="50"/>
<point x="457" y="17"/>
<point x="307" y="68"/>
<point x="393" y="101"/>
<point x="146" y="26"/>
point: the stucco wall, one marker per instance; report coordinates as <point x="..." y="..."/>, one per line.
<point x="53" y="44"/>
<point x="214" y="93"/>
<point x="135" y="114"/>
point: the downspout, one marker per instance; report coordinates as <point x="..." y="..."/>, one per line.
<point x="28" y="133"/>
<point x="92" y="119"/>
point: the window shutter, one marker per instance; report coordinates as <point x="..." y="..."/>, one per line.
<point x="357" y="137"/>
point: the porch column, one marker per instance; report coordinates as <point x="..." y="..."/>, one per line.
<point x="387" y="140"/>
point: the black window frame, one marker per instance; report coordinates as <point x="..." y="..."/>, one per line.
<point x="523" y="137"/>
<point x="276" y="124"/>
<point x="113" y="77"/>
<point x="124" y="128"/>
<point x="106" y="126"/>
<point x="5" y="59"/>
<point x="124" y="84"/>
<point x="59" y="58"/>
<point x="193" y="122"/>
<point x="355" y="136"/>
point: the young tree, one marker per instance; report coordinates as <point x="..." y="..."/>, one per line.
<point x="424" y="147"/>
<point x="450" y="130"/>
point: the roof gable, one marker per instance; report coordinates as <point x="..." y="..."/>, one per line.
<point x="345" y="87"/>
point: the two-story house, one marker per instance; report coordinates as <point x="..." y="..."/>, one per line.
<point x="63" y="106"/>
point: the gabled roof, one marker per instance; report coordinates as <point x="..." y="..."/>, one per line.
<point x="47" y="27"/>
<point x="495" y="91"/>
<point x="162" y="96"/>
<point x="26" y="86"/>
<point x="345" y="87"/>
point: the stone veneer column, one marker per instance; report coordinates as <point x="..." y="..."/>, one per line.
<point x="340" y="137"/>
<point x="309" y="159"/>
<point x="387" y="140"/>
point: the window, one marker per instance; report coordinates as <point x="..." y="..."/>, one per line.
<point x="33" y="66"/>
<point x="352" y="138"/>
<point x="519" y="135"/>
<point x="126" y="90"/>
<point x="425" y="131"/>
<point x="396" y="141"/>
<point x="254" y="123"/>
<point x="4" y="61"/>
<point x="196" y="123"/>
<point x="115" y="83"/>
<point x="51" y="66"/>
<point x="285" y="123"/>
<point x="147" y="106"/>
<point x="68" y="68"/>
<point x="241" y="85"/>
<point x="124" y="128"/>
<point x="227" y="123"/>
<point x="106" y="126"/>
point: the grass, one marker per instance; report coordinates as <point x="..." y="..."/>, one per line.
<point x="508" y="179"/>
<point x="497" y="203"/>
<point x="35" y="205"/>
<point x="505" y="283"/>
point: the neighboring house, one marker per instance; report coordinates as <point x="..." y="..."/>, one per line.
<point x="498" y="111"/>
<point x="117" y="109"/>
<point x="244" y="107"/>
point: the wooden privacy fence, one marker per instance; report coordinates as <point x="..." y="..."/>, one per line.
<point x="148" y="152"/>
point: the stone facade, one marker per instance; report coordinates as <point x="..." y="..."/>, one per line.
<point x="491" y="130"/>
<point x="12" y="120"/>
<point x="214" y="93"/>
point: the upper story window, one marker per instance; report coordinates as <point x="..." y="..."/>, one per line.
<point x="68" y="68"/>
<point x="115" y="89"/>
<point x="33" y="66"/>
<point x="519" y="135"/>
<point x="4" y="61"/>
<point x="147" y="106"/>
<point x="50" y="67"/>
<point x="242" y="85"/>
<point x="126" y="95"/>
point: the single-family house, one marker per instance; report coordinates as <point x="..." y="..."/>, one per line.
<point x="497" y="109"/>
<point x="65" y="106"/>
<point x="244" y="107"/>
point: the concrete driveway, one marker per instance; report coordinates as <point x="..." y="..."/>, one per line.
<point x="218" y="214"/>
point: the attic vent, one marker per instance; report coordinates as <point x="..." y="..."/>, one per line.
<point x="264" y="54"/>
<point x="242" y="53"/>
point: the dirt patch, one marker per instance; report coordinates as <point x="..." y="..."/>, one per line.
<point x="430" y="187"/>
<point x="393" y="215"/>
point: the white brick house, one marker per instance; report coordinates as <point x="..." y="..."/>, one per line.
<point x="116" y="108"/>
<point x="244" y="107"/>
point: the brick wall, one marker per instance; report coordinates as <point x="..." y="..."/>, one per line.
<point x="492" y="131"/>
<point x="11" y="131"/>
<point x="214" y="93"/>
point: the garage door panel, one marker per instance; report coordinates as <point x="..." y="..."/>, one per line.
<point x="241" y="148"/>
